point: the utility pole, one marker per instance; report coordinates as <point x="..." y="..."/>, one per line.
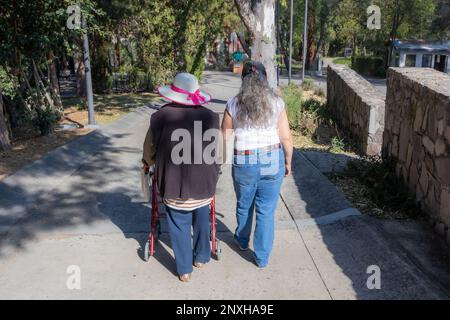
<point x="277" y="30"/>
<point x="305" y="39"/>
<point x="290" y="41"/>
<point x="87" y="67"/>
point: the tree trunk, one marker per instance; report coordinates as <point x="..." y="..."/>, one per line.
<point x="79" y="67"/>
<point x="244" y="44"/>
<point x="311" y="49"/>
<point x="40" y="85"/>
<point x="5" y="140"/>
<point x="259" y="19"/>
<point x="54" y="78"/>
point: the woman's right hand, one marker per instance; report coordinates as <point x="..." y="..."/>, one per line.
<point x="145" y="167"/>
<point x="287" y="170"/>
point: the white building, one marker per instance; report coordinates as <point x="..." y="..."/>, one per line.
<point x="421" y="54"/>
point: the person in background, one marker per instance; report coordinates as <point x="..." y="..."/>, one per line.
<point x="185" y="185"/>
<point x="262" y="157"/>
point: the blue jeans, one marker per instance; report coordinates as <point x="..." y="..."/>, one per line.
<point x="179" y="223"/>
<point x="257" y="182"/>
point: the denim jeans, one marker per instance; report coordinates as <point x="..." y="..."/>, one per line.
<point x="257" y="181"/>
<point x="180" y="223"/>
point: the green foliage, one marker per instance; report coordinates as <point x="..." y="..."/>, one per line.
<point x="401" y="19"/>
<point x="319" y="92"/>
<point x="345" y="61"/>
<point x="338" y="145"/>
<point x="307" y="84"/>
<point x="45" y="120"/>
<point x="163" y="37"/>
<point x="292" y="96"/>
<point x="8" y="83"/>
<point x="369" y="66"/>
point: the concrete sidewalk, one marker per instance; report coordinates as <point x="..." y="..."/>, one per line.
<point x="81" y="205"/>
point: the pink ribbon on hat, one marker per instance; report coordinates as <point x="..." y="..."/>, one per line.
<point x="195" y="97"/>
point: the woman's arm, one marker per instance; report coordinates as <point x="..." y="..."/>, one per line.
<point x="148" y="153"/>
<point x="227" y="131"/>
<point x="286" y="140"/>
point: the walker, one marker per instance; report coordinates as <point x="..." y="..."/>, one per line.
<point x="155" y="225"/>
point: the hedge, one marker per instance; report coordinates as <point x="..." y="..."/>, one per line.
<point x="369" y="66"/>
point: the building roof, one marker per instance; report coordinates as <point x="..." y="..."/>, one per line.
<point x="420" y="45"/>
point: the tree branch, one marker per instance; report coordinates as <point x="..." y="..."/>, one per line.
<point x="244" y="44"/>
<point x="244" y="8"/>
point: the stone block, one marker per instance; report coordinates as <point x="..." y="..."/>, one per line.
<point x="423" y="181"/>
<point x="418" y="119"/>
<point x="440" y="147"/>
<point x="441" y="127"/>
<point x="413" y="177"/>
<point x="409" y="155"/>
<point x="445" y="204"/>
<point x="443" y="170"/>
<point x="428" y="144"/>
<point x="447" y="134"/>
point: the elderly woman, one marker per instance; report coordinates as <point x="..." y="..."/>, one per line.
<point x="185" y="180"/>
<point x="262" y="157"/>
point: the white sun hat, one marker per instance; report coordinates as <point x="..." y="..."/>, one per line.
<point x="185" y="90"/>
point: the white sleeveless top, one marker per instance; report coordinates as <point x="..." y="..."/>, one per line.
<point x="251" y="138"/>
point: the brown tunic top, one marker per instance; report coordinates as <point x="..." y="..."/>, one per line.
<point x="185" y="180"/>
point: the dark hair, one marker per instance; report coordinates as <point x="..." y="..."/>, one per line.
<point x="251" y="67"/>
<point x="255" y="98"/>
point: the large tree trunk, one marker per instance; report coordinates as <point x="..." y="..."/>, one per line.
<point x="259" y="19"/>
<point x="5" y="140"/>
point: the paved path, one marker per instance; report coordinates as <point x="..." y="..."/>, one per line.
<point x="81" y="205"/>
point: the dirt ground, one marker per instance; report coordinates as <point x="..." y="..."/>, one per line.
<point x="30" y="146"/>
<point x="28" y="150"/>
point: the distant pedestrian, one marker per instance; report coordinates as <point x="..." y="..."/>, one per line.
<point x="262" y="157"/>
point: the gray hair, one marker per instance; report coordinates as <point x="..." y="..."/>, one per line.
<point x="255" y="102"/>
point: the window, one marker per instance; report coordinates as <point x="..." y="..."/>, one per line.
<point x="397" y="59"/>
<point x="426" y="60"/>
<point x="410" y="60"/>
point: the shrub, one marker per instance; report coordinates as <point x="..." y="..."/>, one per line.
<point x="292" y="96"/>
<point x="45" y="120"/>
<point x="386" y="190"/>
<point x="318" y="91"/>
<point x="347" y="61"/>
<point x="307" y="84"/>
<point x="369" y="66"/>
<point x="337" y="145"/>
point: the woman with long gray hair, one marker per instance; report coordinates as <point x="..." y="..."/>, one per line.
<point x="261" y="158"/>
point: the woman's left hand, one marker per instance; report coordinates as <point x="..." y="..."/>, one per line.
<point x="287" y="170"/>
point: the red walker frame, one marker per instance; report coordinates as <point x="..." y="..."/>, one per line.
<point x="155" y="227"/>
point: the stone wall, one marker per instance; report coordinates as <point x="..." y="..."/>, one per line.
<point x="357" y="107"/>
<point x="417" y="135"/>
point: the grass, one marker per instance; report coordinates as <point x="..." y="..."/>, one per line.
<point x="346" y="61"/>
<point x="30" y="146"/>
<point x="108" y="107"/>
<point x="309" y="119"/>
<point x="371" y="185"/>
<point x="25" y="151"/>
<point x="368" y="183"/>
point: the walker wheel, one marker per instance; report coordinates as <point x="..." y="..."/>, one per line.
<point x="147" y="250"/>
<point x="218" y="250"/>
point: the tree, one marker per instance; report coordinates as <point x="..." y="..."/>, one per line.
<point x="259" y="19"/>
<point x="5" y="141"/>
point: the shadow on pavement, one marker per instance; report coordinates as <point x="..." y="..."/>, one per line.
<point x="413" y="263"/>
